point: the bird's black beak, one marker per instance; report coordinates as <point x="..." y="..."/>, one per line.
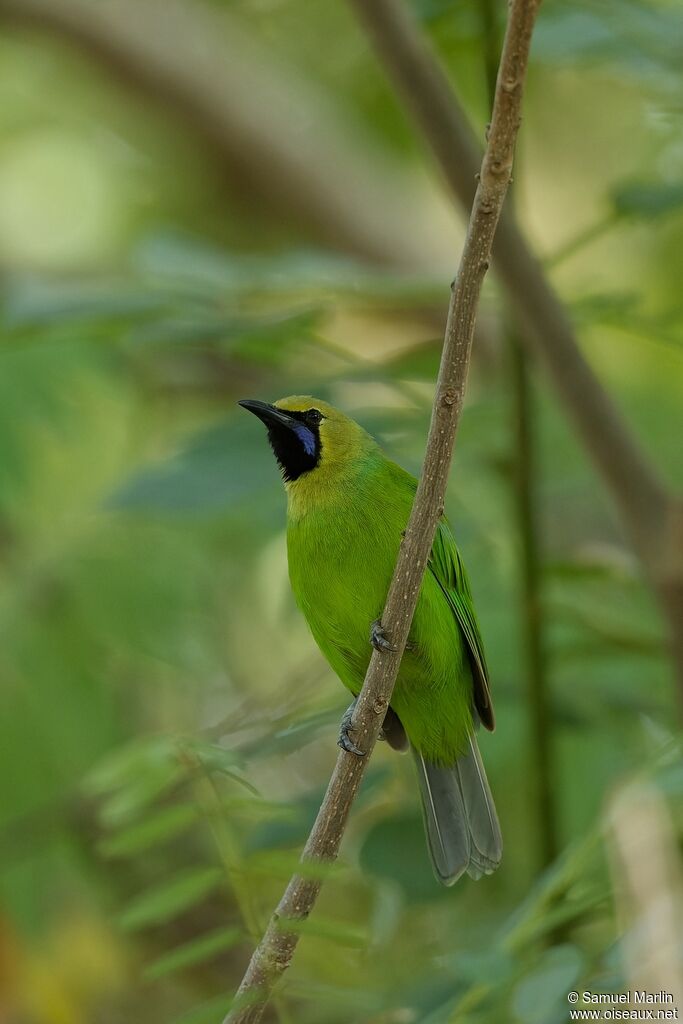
<point x="268" y="413"/>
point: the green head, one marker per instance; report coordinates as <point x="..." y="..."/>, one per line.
<point x="312" y="441"/>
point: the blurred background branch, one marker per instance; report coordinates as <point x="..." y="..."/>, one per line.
<point x="525" y="488"/>
<point x="260" y="122"/>
<point x="649" y="888"/>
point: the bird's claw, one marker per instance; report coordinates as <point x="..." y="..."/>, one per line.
<point x="345" y="741"/>
<point x="347" y="744"/>
<point x="378" y="638"/>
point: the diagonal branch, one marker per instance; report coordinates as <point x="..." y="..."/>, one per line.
<point x="652" y="518"/>
<point x="273" y="955"/>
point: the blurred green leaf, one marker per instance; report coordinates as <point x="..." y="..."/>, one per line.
<point x="132" y="778"/>
<point x="339" y="932"/>
<point x="394" y="848"/>
<point x="551" y="886"/>
<point x="156" y="828"/>
<point x="619" y="626"/>
<point x="647" y="199"/>
<point x="606" y="306"/>
<point x="318" y="994"/>
<point x="642" y="39"/>
<point x="34" y="302"/>
<point x="199" y="268"/>
<point x="268" y="340"/>
<point x="228" y="468"/>
<point x="417" y="363"/>
<point x="286" y="830"/>
<point x="146" y="754"/>
<point x="133" y="798"/>
<point x="204" y="947"/>
<point x="294" y="736"/>
<point x="481" y="966"/>
<point x="541" y="997"/>
<point x="170" y="899"/>
<point x="208" y="1012"/>
<point x="292" y="828"/>
<point x="196" y="753"/>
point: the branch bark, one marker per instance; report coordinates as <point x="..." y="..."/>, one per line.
<point x="274" y="953"/>
<point x="652" y="518"/>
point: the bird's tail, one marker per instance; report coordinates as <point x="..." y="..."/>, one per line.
<point x="460" y="818"/>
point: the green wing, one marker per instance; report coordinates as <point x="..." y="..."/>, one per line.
<point x="448" y="570"/>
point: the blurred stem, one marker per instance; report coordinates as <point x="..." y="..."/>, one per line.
<point x="228" y="849"/>
<point x="411" y="393"/>
<point x="532" y="615"/>
<point x="583" y="238"/>
<point x="525" y="490"/>
<point x="230" y="853"/>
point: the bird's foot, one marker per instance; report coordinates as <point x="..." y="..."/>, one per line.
<point x="345" y="741"/>
<point x="378" y="638"/>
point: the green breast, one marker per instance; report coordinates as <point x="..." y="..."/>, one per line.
<point x="341" y="558"/>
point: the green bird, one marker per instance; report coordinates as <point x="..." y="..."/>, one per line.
<point x="347" y="507"/>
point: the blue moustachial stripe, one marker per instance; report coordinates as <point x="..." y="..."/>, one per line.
<point x="306" y="436"/>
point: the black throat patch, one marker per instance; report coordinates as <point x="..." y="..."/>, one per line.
<point x="297" y="448"/>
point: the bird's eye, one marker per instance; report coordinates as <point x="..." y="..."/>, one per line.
<point x="314" y="416"/>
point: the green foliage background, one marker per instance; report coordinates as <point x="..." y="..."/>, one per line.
<point x="167" y="726"/>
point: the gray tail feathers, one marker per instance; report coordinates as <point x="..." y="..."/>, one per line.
<point x="460" y="818"/>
